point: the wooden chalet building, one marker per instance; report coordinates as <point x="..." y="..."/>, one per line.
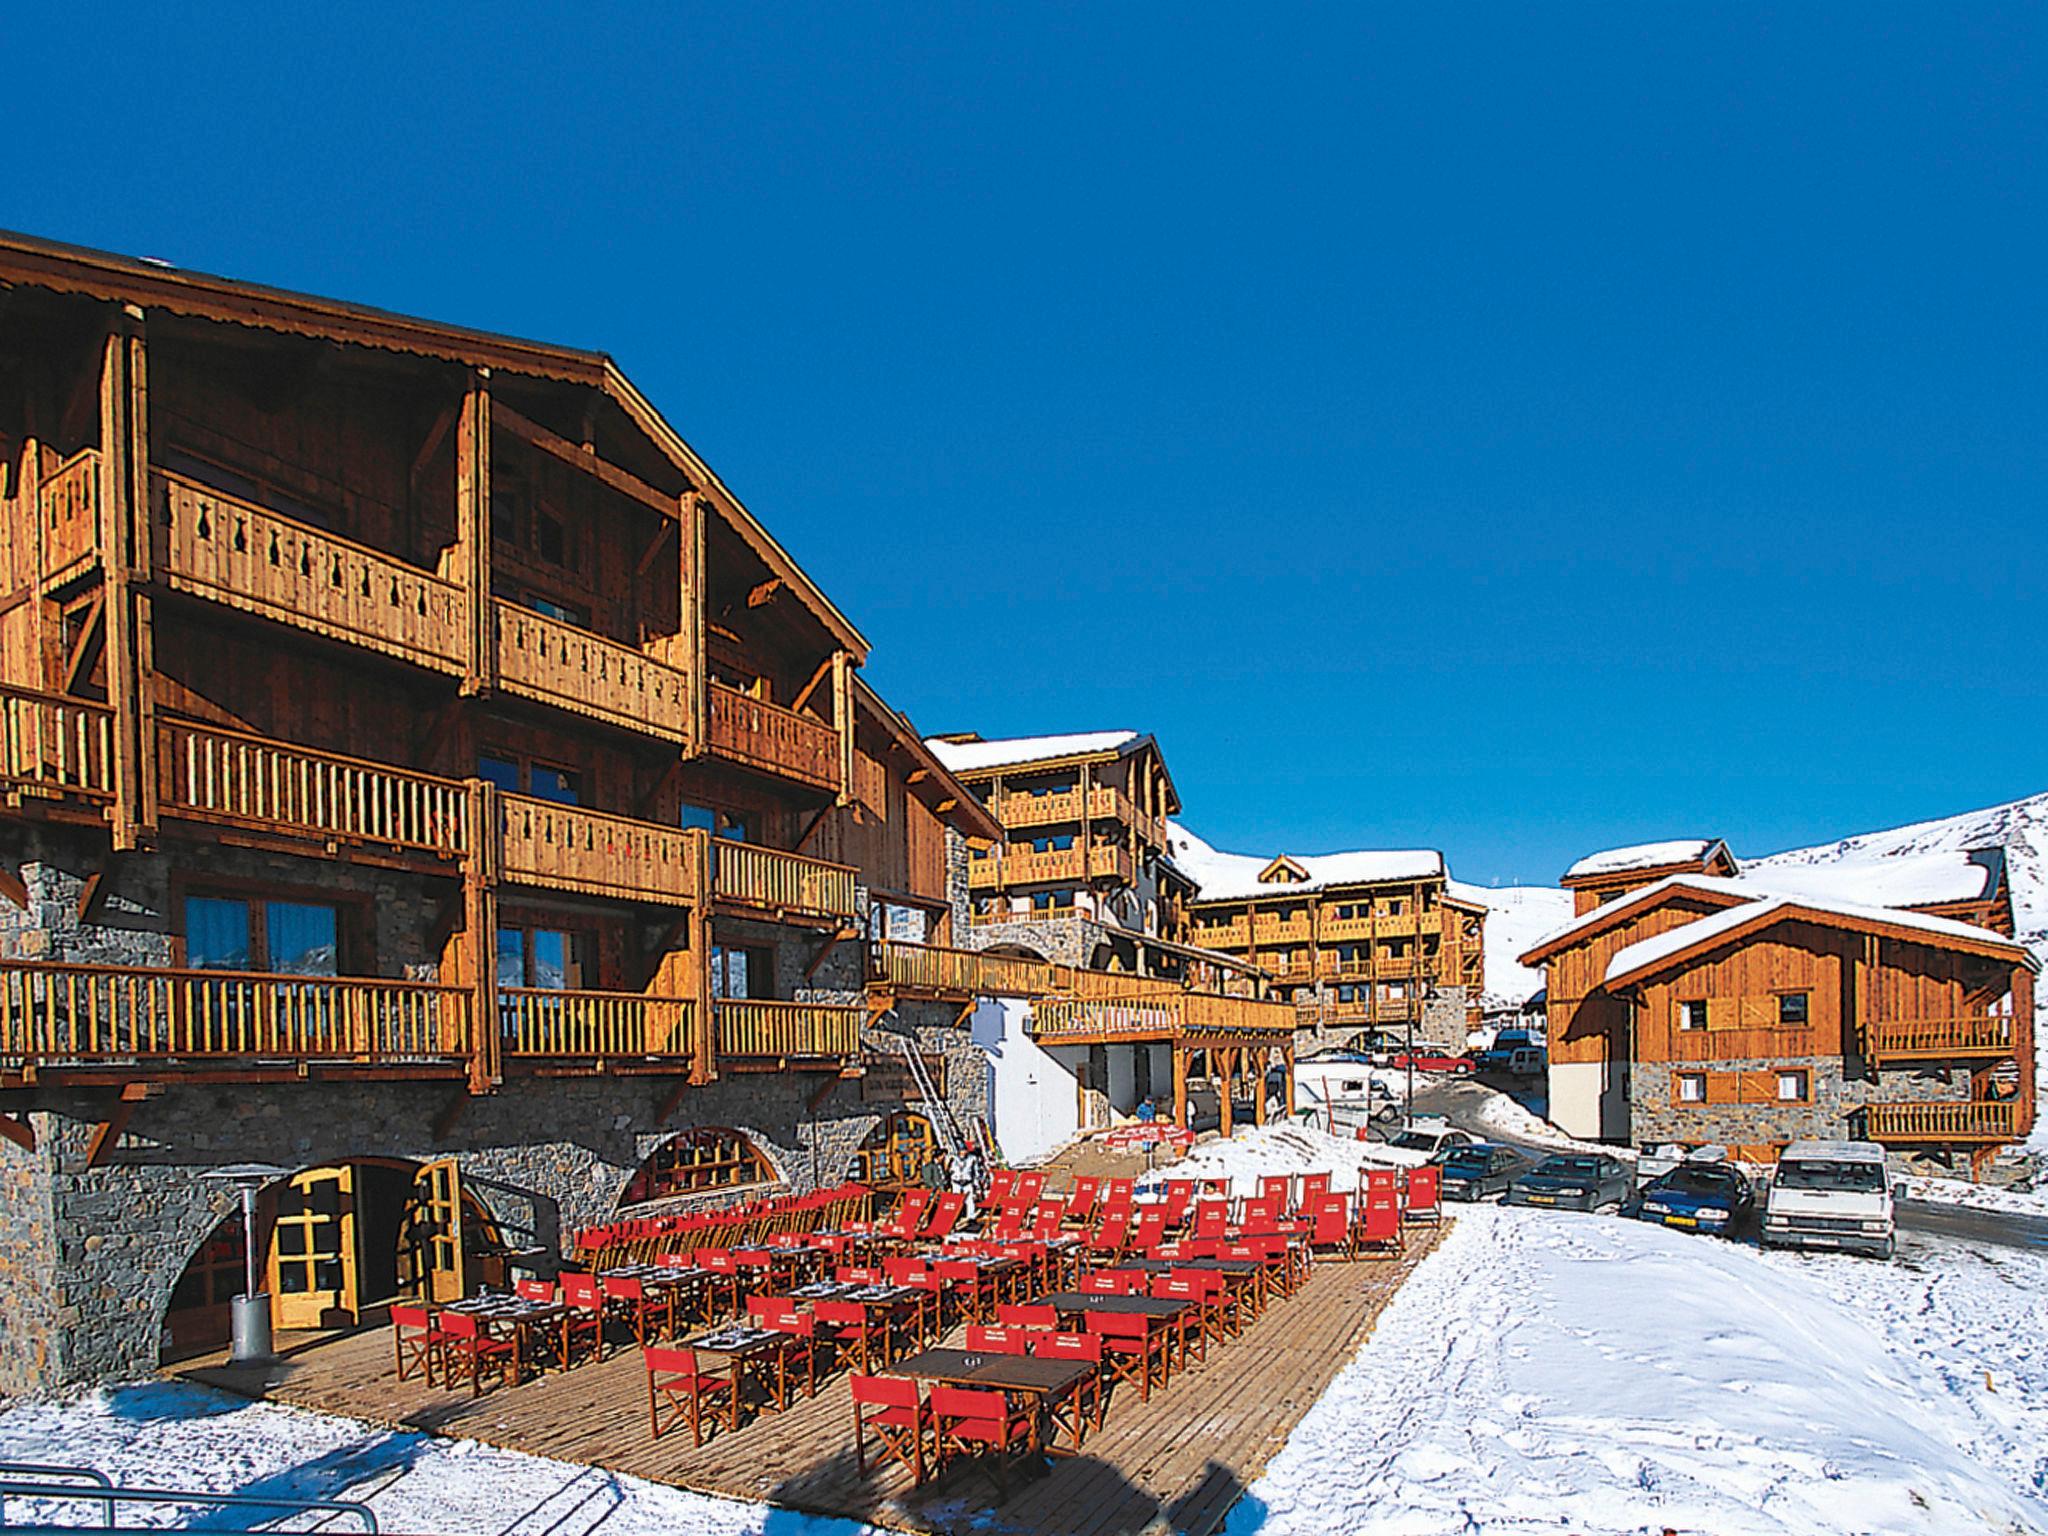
<point x="1601" y="877"/>
<point x="1755" y="1010"/>
<point x="419" y="773"/>
<point x="1356" y="941"/>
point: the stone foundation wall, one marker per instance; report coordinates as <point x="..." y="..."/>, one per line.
<point x="1836" y="1089"/>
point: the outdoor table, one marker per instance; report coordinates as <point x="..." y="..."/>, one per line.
<point x="1035" y="1377"/>
<point x="776" y="1266"/>
<point x="662" y="1277"/>
<point x="741" y="1347"/>
<point x="524" y="1318"/>
<point x="1158" y="1311"/>
<point x="894" y="1301"/>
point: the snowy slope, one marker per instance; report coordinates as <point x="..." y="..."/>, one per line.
<point x="1516" y="917"/>
<point x="1600" y="1376"/>
<point x="2020" y="828"/>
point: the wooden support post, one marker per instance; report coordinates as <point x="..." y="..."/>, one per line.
<point x="2023" y="1045"/>
<point x="473" y="532"/>
<point x="124" y="513"/>
<point x="1180" y="1086"/>
<point x="480" y="935"/>
<point x="704" y="1060"/>
<point x="693" y="597"/>
<point x="842" y="713"/>
<point x="1227" y="1060"/>
<point x="19" y="1130"/>
<point x="107" y="1134"/>
<point x="1257" y="1078"/>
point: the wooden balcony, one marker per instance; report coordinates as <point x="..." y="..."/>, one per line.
<point x="771" y="739"/>
<point x="1222" y="936"/>
<point x="572" y="848"/>
<point x="1074" y="1021"/>
<point x="85" y="1015"/>
<point x="1167" y="1013"/>
<point x="233" y="779"/>
<point x="1950" y="1120"/>
<point x="751" y="1028"/>
<point x="778" y="883"/>
<point x="1966" y="1037"/>
<point x="929" y="970"/>
<point x="1020" y="808"/>
<point x="1268" y="930"/>
<point x="595" y="1026"/>
<point x="70" y="510"/>
<point x="1033" y="915"/>
<point x="233" y="552"/>
<point x="53" y="747"/>
<point x="1027" y="866"/>
<point x="578" y="670"/>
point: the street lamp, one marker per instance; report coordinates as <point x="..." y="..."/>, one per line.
<point x="250" y="1311"/>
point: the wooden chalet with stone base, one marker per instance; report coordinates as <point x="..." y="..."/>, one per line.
<point x="418" y="772"/>
<point x="1703" y="1009"/>
<point x="1357" y="941"/>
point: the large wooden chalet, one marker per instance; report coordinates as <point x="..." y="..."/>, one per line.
<point x="1697" y="1006"/>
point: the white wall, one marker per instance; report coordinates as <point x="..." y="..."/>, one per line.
<point x="1033" y="1093"/>
<point x="1577" y="1089"/>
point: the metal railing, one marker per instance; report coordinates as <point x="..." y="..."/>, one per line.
<point x="74" y="1485"/>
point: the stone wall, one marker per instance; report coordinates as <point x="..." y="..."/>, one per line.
<point x="1836" y="1089"/>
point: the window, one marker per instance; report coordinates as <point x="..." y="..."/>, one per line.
<point x="1046" y="842"/>
<point x="730" y="825"/>
<point x="1792" y="1087"/>
<point x="1692" y="1087"/>
<point x="707" y="1158"/>
<point x="547" y="607"/>
<point x="525" y="776"/>
<point x="1051" y="901"/>
<point x="1693" y="1015"/>
<point x="234" y="933"/>
<point x="1792" y="1008"/>
<point x="546" y="959"/>
<point x="742" y="971"/>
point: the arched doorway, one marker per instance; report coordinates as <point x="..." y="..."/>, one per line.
<point x="701" y="1160"/>
<point x="895" y="1152"/>
<point x="337" y="1243"/>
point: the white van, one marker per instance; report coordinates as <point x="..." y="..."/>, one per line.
<point x="1341" y="1097"/>
<point x="1832" y="1195"/>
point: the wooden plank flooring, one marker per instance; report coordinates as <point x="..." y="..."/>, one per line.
<point x="1176" y="1464"/>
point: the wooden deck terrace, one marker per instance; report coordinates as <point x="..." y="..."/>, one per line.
<point x="1175" y="1464"/>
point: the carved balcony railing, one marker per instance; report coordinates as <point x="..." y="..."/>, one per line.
<point x="931" y="970"/>
<point x="771" y="739"/>
<point x="52" y="747"/>
<point x="754" y="1028"/>
<point x="1985" y="1036"/>
<point x="1021" y="808"/>
<point x="572" y="848"/>
<point x="540" y="1022"/>
<point x="1943" y="1120"/>
<point x="572" y="668"/>
<point x="749" y="875"/>
<point x="70" y="510"/>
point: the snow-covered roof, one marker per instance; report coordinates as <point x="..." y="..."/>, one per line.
<point x="1234" y="876"/>
<point x="1516" y="917"/>
<point x="968" y="756"/>
<point x="1646" y="954"/>
<point x="1903" y="880"/>
<point x="1684" y="850"/>
<point x="1636" y="901"/>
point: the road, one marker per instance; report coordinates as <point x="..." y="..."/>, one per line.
<point x="1457" y="1101"/>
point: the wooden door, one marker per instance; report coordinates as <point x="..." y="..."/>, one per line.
<point x="313" y="1250"/>
<point x="436" y="1231"/>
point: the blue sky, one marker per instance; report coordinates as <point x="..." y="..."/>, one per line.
<point x="1512" y="430"/>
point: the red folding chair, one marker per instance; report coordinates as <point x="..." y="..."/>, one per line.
<point x="797" y="1350"/>
<point x="1424" y="1196"/>
<point x="995" y="1340"/>
<point x="1379" y="1230"/>
<point x="722" y="1292"/>
<point x="1113" y="1282"/>
<point x="1112" y="1237"/>
<point x="850" y="1331"/>
<point x="580" y="1294"/>
<point x="418" y="1344"/>
<point x="972" y="1293"/>
<point x="1222" y="1317"/>
<point x="1132" y="1349"/>
<point x="1151" y="1229"/>
<point x="678" y="1389"/>
<point x="1331" y="1230"/>
<point x="1081" y="1203"/>
<point x="1212" y="1220"/>
<point x="1014" y="1315"/>
<point x="1046" y="1222"/>
<point x="1000" y="1183"/>
<point x="467" y="1350"/>
<point x="1080" y="1407"/>
<point x="534" y="1290"/>
<point x="1173" y="1287"/>
<point x="969" y="1423"/>
<point x="899" y="1419"/>
<point x="1313" y="1187"/>
<point x="643" y="1309"/>
<point x="1276" y="1190"/>
<point x="945" y="1215"/>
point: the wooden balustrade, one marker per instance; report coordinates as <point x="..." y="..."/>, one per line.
<point x="234" y="552"/>
<point x="1222" y="936"/>
<point x="1021" y="808"/>
<point x="1077" y="1019"/>
<point x="1216" y="1013"/>
<point x="1169" y="1012"/>
<point x="70" y="512"/>
<point x="57" y="1014"/>
<point x="1965" y="1035"/>
<point x="536" y="1021"/>
<point x="52" y="745"/>
<point x="578" y="670"/>
<point x="754" y="876"/>
<point x="771" y="739"/>
<point x="777" y="1031"/>
<point x="960" y="973"/>
<point x="991" y="918"/>
<point x="1943" y="1120"/>
<point x="249" y="781"/>
<point x="570" y="847"/>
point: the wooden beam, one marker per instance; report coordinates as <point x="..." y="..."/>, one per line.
<point x="88" y="646"/>
<point x="804" y="693"/>
<point x="16" y="1128"/>
<point x="437" y="434"/>
<point x="816" y="821"/>
<point x="109" y="1131"/>
<point x="671" y="1101"/>
<point x="89" y="895"/>
<point x="764" y="592"/>
<point x="655" y="546"/>
<point x="14" y="888"/>
<point x="576" y="456"/>
<point x="825" y="949"/>
<point x="818" y="1097"/>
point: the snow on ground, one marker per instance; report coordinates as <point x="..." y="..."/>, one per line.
<point x="1270" y="1149"/>
<point x="1502" y="1115"/>
<point x="181" y="1436"/>
<point x="1517" y="916"/>
<point x="1977" y="1197"/>
<point x="1548" y="1373"/>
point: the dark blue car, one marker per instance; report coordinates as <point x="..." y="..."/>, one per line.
<point x="1698" y="1197"/>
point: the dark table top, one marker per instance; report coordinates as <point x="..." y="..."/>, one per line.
<point x="1141" y="1306"/>
<point x="1167" y="1266"/>
<point x="980" y="1368"/>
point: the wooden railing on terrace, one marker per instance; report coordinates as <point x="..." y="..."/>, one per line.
<point x="1173" y="1013"/>
<point x="961" y="973"/>
<point x="1221" y="936"/>
<point x="571" y="847"/>
<point x="237" y="779"/>
<point x="990" y="919"/>
<point x="56" y="1014"/>
<point x="1021" y="808"/>
<point x="1943" y="1120"/>
<point x="52" y="745"/>
<point x="581" y="671"/>
<point x="764" y="1030"/>
<point x="772" y="739"/>
<point x="1973" y="1034"/>
<point x="538" y="1022"/>
<point x="70" y="499"/>
<point x="234" y="552"/>
<point x="786" y="882"/>
<point x="1063" y="1018"/>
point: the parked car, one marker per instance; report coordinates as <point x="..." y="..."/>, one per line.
<point x="1420" y="1141"/>
<point x="1339" y="1096"/>
<point x="1527" y="1061"/>
<point x="1495" y="1057"/>
<point x="1834" y="1195"/>
<point x="1432" y="1061"/>
<point x="1582" y="1181"/>
<point x="1480" y="1170"/>
<point x="1698" y="1196"/>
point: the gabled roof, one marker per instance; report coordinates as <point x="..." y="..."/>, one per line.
<point x="969" y="815"/>
<point x="1640" y="961"/>
<point x="1704" y="852"/>
<point x="1711" y="889"/>
<point x="1239" y="876"/>
<point x="973" y="755"/>
<point x="1937" y="877"/>
<point x="1282" y="871"/>
<point x="102" y="275"/>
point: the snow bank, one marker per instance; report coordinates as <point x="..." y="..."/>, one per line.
<point x="1600" y="1376"/>
<point x="1976" y="1197"/>
<point x="1270" y="1149"/>
<point x="180" y="1436"/>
